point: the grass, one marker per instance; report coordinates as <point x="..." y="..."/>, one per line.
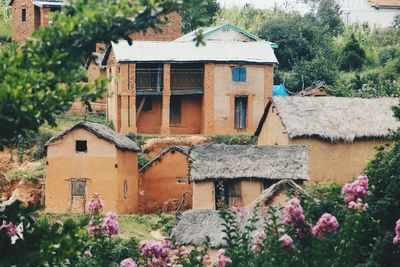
<point x="134" y="226"/>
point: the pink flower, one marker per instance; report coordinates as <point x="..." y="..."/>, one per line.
<point x="222" y="260"/>
<point x="326" y="224"/>
<point x="91" y="228"/>
<point x="88" y="254"/>
<point x="207" y="260"/>
<point x="110" y="225"/>
<point x="287" y="242"/>
<point x="14" y="231"/>
<point x="129" y="262"/>
<point x="257" y="241"/>
<point x="396" y="239"/>
<point x="356" y="189"/>
<point x="359" y="205"/>
<point x="96" y="204"/>
<point x="157" y="252"/>
<point x="293" y="212"/>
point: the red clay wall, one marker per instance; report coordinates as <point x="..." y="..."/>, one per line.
<point x="158" y="184"/>
<point x="149" y="122"/>
<point x="191" y="116"/>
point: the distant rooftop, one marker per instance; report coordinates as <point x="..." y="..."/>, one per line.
<point x="183" y="52"/>
<point x="48" y="3"/>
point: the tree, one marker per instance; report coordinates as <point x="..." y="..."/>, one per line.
<point x="396" y="22"/>
<point x="353" y="55"/>
<point x="202" y="15"/>
<point x="42" y="77"/>
<point x="328" y="15"/>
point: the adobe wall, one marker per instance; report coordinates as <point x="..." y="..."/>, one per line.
<point x="338" y="162"/>
<point x="258" y="88"/>
<point x="97" y="166"/>
<point x="250" y="189"/>
<point x="191" y="116"/>
<point x="158" y="182"/>
<point x="21" y="30"/>
<point x="128" y="171"/>
<point x="203" y="195"/>
<point x="149" y="122"/>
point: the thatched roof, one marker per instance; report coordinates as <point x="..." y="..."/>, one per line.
<point x="182" y="149"/>
<point x="102" y="131"/>
<point x="244" y="161"/>
<point x="193" y="226"/>
<point x="334" y="118"/>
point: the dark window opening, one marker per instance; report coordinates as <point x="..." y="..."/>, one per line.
<point x="78" y="188"/>
<point x="267" y="184"/>
<point x="239" y="74"/>
<point x="81" y="146"/>
<point x="149" y="77"/>
<point x="23" y="14"/>
<point x="227" y="194"/>
<point x="175" y="110"/>
<point x="180" y="180"/>
<point x="240" y="112"/>
<point x="147" y="104"/>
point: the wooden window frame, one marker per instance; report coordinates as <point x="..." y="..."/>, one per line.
<point x="241" y="112"/>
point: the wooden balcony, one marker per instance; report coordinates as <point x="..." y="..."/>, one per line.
<point x="187" y="81"/>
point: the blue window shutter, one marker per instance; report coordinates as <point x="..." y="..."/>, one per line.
<point x="236" y="74"/>
<point x="243" y="74"/>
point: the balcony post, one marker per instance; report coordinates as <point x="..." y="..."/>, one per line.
<point x="208" y="100"/>
<point x="128" y="98"/>
<point x="165" y="108"/>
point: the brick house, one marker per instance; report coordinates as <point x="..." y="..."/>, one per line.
<point x="178" y="88"/>
<point x="28" y="15"/>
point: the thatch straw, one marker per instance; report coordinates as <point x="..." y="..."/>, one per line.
<point x="243" y="161"/>
<point x="101" y="131"/>
<point x="335" y="118"/>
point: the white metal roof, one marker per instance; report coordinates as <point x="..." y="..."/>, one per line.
<point x="145" y="51"/>
<point x="48" y="3"/>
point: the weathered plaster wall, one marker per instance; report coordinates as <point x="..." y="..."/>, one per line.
<point x="251" y="189"/>
<point x="257" y="88"/>
<point x="203" y="195"/>
<point x="158" y="182"/>
<point x="128" y="171"/>
<point x="98" y="166"/>
<point x="228" y="34"/>
<point x="338" y="162"/>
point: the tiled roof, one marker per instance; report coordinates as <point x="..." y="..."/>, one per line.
<point x="385" y="3"/>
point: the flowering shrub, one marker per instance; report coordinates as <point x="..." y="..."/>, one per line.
<point x="293" y="212"/>
<point x="287" y="242"/>
<point x="396" y="239"/>
<point x="129" y="262"/>
<point x="326" y="224"/>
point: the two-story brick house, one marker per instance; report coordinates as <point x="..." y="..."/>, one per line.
<point x="28" y="15"/>
<point x="179" y="88"/>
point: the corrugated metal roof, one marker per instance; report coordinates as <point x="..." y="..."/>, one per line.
<point x="385" y="3"/>
<point x="49" y="3"/>
<point x="145" y="51"/>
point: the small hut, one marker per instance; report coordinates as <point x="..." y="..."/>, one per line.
<point x="340" y="132"/>
<point x="164" y="182"/>
<point x="225" y="176"/>
<point x="91" y="158"/>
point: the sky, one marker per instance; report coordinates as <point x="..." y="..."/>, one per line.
<point x="265" y="4"/>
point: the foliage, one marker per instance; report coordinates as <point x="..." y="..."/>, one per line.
<point x="396" y="22"/>
<point x="353" y="55"/>
<point x="28" y="174"/>
<point x="203" y="15"/>
<point x="41" y="78"/>
<point x="5" y="22"/>
<point x="328" y="15"/>
<point x="234" y="139"/>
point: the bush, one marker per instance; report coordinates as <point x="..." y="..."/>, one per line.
<point x="353" y="56"/>
<point x="234" y="139"/>
<point x="388" y="53"/>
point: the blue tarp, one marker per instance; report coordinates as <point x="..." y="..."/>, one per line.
<point x="279" y="90"/>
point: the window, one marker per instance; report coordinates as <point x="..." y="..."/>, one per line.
<point x="147" y="105"/>
<point x="228" y="194"/>
<point x="81" y="146"/>
<point x="125" y="189"/>
<point x="23" y="14"/>
<point x="240" y="112"/>
<point x="180" y="180"/>
<point x="267" y="183"/>
<point x="239" y="74"/>
<point x="78" y="188"/>
<point x="175" y="110"/>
